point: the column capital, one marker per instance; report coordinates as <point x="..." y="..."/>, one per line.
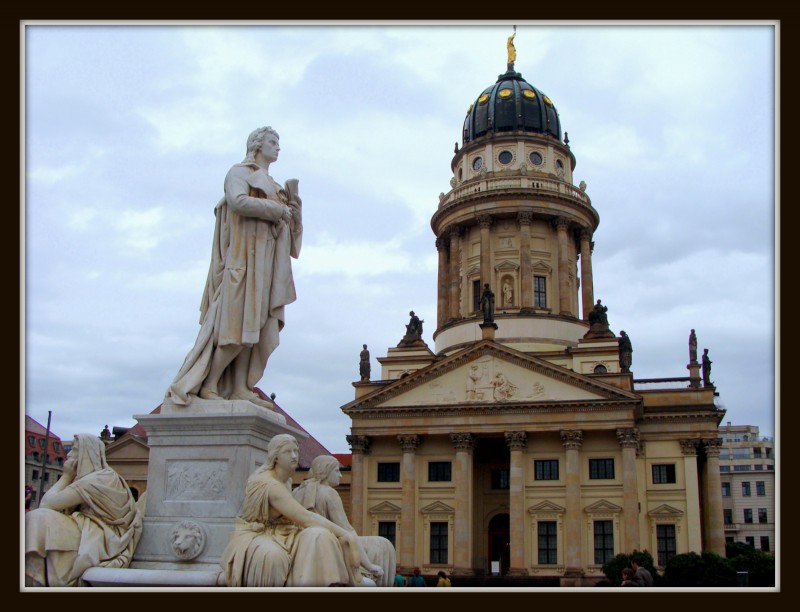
<point x="561" y="223"/>
<point x="516" y="440"/>
<point x="453" y="230"/>
<point x="712" y="446"/>
<point x="585" y="234"/>
<point x="358" y="444"/>
<point x="463" y="441"/>
<point x="409" y="442"/>
<point x="572" y="439"/>
<point x="484" y="221"/>
<point x="525" y="217"/>
<point x="689" y="447"/>
<point x="628" y="437"/>
<point x="442" y="243"/>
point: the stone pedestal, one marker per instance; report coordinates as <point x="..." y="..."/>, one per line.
<point x="200" y="459"/>
<point x="694" y="375"/>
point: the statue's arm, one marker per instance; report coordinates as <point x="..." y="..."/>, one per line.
<point x="334" y="510"/>
<point x="237" y="192"/>
<point x="61" y="496"/>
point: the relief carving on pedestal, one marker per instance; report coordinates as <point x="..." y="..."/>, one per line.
<point x="203" y="480"/>
<point x="188" y="540"/>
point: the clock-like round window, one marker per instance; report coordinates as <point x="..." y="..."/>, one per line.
<point x="477" y="163"/>
<point x="536" y="158"/>
<point x="505" y="157"/>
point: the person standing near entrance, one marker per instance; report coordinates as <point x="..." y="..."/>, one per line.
<point x="641" y="575"/>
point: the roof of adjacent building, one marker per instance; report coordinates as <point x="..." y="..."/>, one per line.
<point x="34" y="427"/>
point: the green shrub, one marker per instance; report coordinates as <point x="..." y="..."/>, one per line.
<point x="693" y="570"/>
<point x="760" y="566"/>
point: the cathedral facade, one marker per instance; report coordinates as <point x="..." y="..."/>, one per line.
<point x="521" y="444"/>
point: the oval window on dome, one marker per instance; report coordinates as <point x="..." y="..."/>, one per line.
<point x="505" y="93"/>
<point x="505" y="157"/>
<point x="528" y="94"/>
<point x="536" y="158"/>
<point x="483" y="98"/>
<point x="477" y="163"/>
<point x="548" y="101"/>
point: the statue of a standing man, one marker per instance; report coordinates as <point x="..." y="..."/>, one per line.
<point x="258" y="229"/>
<point x="706" y="369"/>
<point x="625" y="352"/>
<point x="364" y="366"/>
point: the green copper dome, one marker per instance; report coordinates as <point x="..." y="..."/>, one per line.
<point x="511" y="104"/>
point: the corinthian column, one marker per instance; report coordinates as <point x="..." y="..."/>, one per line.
<point x="442" y="303"/>
<point x="454" y="275"/>
<point x="587" y="289"/>
<point x="629" y="441"/>
<point x="517" y="442"/>
<point x="714" y="532"/>
<point x="464" y="444"/>
<point x="359" y="446"/>
<point x="525" y="271"/>
<point x="561" y="224"/>
<point x="408" y="503"/>
<point x="485" y="223"/>
<point x="572" y="440"/>
<point x="693" y="526"/>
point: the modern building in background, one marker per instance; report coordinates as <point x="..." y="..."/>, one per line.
<point x="747" y="467"/>
<point x="44" y="459"/>
<point x="522" y="444"/>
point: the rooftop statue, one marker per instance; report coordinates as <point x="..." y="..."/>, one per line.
<point x="258" y="229"/>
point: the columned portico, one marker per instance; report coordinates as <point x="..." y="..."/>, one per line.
<point x="464" y="444"/>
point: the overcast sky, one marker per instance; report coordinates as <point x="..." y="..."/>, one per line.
<point x="130" y="130"/>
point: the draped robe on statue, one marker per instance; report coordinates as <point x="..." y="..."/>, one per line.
<point x="267" y="549"/>
<point x="249" y="281"/>
<point x="325" y="501"/>
<point x="102" y="531"/>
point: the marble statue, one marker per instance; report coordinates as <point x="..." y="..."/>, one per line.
<point x="508" y="294"/>
<point x="318" y="493"/>
<point x="487" y="304"/>
<point x="692" y="347"/>
<point x="364" y="366"/>
<point x="278" y="542"/>
<point x="87" y="519"/>
<point x="258" y="229"/>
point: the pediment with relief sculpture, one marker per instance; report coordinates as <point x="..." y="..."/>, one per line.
<point x="490" y="373"/>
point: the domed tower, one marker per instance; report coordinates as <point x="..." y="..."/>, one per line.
<point x="515" y="220"/>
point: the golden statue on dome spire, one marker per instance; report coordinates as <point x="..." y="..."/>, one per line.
<point x="512" y="51"/>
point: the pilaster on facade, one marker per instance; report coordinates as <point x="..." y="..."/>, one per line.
<point x="525" y="219"/>
<point x="407" y="543"/>
<point x="628" y="438"/>
<point x="359" y="446"/>
<point x="517" y="442"/>
<point x="714" y="532"/>
<point x="689" y="449"/>
<point x="572" y="440"/>
<point x="464" y="445"/>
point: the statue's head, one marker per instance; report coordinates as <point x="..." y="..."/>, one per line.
<point x="276" y="445"/>
<point x="323" y="468"/>
<point x="255" y="140"/>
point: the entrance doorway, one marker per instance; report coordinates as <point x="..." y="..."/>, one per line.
<point x="499" y="543"/>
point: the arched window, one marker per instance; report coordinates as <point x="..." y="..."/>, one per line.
<point x="600" y="369"/>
